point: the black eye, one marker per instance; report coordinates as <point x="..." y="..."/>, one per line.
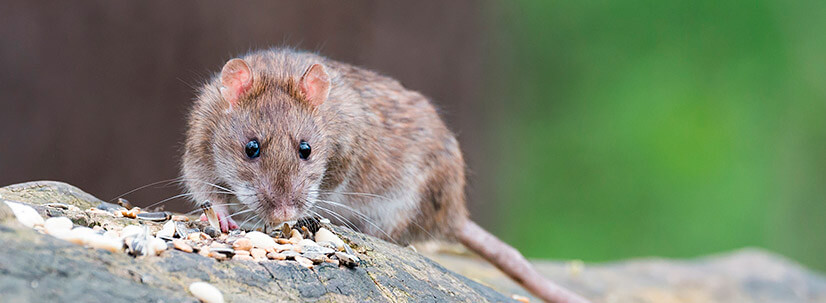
<point x="304" y="150"/>
<point x="252" y="149"/>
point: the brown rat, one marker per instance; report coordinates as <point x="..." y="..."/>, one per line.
<point x="281" y="134"/>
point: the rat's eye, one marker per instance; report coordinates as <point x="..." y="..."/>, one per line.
<point x="304" y="150"/>
<point x="252" y="149"/>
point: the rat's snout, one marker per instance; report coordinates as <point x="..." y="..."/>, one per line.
<point x="278" y="206"/>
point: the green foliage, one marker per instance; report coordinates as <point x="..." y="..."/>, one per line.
<point x="672" y="128"/>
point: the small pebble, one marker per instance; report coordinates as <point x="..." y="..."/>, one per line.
<point x="258" y="253"/>
<point x="181" y="245"/>
<point x="206" y="292"/>
<point x="276" y="256"/>
<point x="217" y="256"/>
<point x="25" y="214"/>
<point x="57" y="225"/>
<point x="331" y="261"/>
<point x="242" y="258"/>
<point x="212" y="231"/>
<point x="282" y="247"/>
<point x="156" y="246"/>
<point x="260" y="240"/>
<point x="324" y="234"/>
<point x="347" y="259"/>
<point x="304" y="261"/>
<point x="242" y="244"/>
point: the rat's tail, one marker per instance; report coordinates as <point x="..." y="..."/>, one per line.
<point x="511" y="262"/>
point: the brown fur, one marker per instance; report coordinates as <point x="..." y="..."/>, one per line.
<point x="377" y="148"/>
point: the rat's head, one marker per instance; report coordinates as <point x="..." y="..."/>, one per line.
<point x="271" y="149"/>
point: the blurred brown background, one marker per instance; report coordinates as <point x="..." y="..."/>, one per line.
<point x="95" y="93"/>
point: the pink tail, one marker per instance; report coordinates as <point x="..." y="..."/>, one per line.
<point x="512" y="263"/>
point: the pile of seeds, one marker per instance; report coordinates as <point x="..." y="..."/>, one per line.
<point x="306" y="242"/>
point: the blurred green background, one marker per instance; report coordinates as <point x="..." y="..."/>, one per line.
<point x="669" y="128"/>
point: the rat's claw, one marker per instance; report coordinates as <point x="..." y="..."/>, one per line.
<point x="226" y="222"/>
<point x="203" y="217"/>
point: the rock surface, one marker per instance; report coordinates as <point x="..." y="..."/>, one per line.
<point x="39" y="268"/>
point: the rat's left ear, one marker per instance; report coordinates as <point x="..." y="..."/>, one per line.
<point x="315" y="85"/>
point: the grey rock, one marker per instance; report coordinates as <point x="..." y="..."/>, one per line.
<point x="64" y="272"/>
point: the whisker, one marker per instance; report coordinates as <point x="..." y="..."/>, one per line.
<point x="344" y="220"/>
<point x="170" y="181"/>
<point x="363" y="216"/>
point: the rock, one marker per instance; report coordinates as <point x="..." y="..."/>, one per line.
<point x="324" y="234"/>
<point x="386" y="272"/>
<point x="206" y="292"/>
<point x="25" y="214"/>
<point x="260" y="240"/>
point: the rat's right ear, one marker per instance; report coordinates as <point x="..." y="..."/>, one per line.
<point x="236" y="79"/>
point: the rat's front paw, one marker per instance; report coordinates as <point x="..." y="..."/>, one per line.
<point x="226" y="222"/>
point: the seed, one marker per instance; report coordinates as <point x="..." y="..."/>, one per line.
<point x="521" y="298"/>
<point x="242" y="252"/>
<point x="295" y="237"/>
<point x="180" y="218"/>
<point x="181" y="245"/>
<point x="168" y="230"/>
<point x="206" y="292"/>
<point x="210" y="214"/>
<point x="125" y="203"/>
<point x="154" y="216"/>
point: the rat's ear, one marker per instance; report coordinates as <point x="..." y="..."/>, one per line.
<point x="236" y="79"/>
<point x="315" y="85"/>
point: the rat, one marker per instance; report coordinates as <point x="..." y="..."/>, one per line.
<point x="281" y="134"/>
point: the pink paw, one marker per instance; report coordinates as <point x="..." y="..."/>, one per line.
<point x="226" y="223"/>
